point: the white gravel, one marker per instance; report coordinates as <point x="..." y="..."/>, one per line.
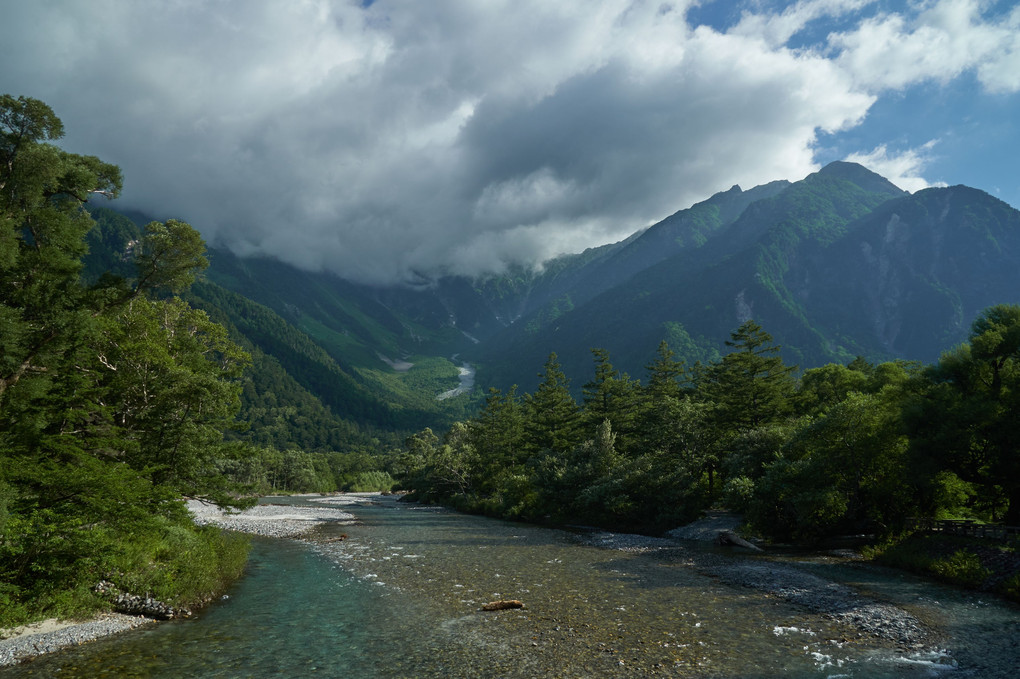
<point x="51" y="635"/>
<point x="274" y="521"/>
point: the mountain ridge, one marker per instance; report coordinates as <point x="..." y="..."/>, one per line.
<point x="839" y="264"/>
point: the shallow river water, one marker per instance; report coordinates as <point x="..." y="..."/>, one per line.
<point x="401" y="597"/>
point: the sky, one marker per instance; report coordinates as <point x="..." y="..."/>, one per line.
<point x="395" y="141"/>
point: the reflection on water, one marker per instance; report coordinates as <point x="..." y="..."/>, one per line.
<point x="401" y="598"/>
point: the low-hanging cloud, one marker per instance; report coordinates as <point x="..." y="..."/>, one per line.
<point x="394" y="141"/>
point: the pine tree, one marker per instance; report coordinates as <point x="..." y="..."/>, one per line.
<point x="551" y="415"/>
<point x="611" y="396"/>
<point x="497" y="436"/>
<point x="751" y="386"/>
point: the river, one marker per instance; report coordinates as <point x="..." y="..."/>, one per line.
<point x="400" y="597"/>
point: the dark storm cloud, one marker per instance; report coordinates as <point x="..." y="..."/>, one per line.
<point x="388" y="140"/>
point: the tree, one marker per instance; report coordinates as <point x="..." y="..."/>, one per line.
<point x="751" y="386"/>
<point x="660" y="397"/>
<point x="168" y="256"/>
<point x="610" y="396"/>
<point x="967" y="421"/>
<point x="497" y="434"/>
<point x="823" y="387"/>
<point x="748" y="389"/>
<point x="112" y="402"/>
<point x="551" y="413"/>
<point x="44" y="311"/>
<point x="170" y="377"/>
<point x="666" y="375"/>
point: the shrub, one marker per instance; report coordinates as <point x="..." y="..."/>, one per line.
<point x="962" y="568"/>
<point x="374" y="481"/>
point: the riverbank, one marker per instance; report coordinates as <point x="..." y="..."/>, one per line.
<point x="340" y="598"/>
<point x="29" y="641"/>
<point x="276" y="521"/>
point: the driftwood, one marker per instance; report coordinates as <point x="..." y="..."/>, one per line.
<point x="503" y="605"/>
<point x="343" y="536"/>
<point x="728" y="538"/>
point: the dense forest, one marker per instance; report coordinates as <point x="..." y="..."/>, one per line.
<point x="843" y="449"/>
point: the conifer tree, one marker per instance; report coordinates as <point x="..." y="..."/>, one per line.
<point x="610" y="396"/>
<point x="497" y="434"/>
<point x="551" y="414"/>
<point x="751" y="386"/>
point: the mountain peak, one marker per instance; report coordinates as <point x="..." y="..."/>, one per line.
<point x="859" y="175"/>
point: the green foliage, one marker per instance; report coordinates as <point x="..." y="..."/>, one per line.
<point x="270" y="471"/>
<point x="113" y="402"/>
<point x="177" y="563"/>
<point x="967" y="419"/>
<point x="552" y="413"/>
<point x="1011" y="587"/>
<point x="374" y="481"/>
<point x="961" y="567"/>
<point x="957" y="560"/>
<point x="751" y="386"/>
<point x="804" y="460"/>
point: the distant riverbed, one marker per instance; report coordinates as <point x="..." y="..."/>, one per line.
<point x="467" y="383"/>
<point x="400" y="596"/>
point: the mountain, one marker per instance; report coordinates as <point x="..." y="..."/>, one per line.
<point x="908" y="278"/>
<point x="840" y="264"/>
<point x="322" y="377"/>
<point x="698" y="294"/>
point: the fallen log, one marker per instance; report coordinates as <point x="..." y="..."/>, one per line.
<point x="502" y="605"/>
<point x="341" y="538"/>
<point x="728" y="538"/>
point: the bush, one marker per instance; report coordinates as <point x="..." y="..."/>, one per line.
<point x="181" y="565"/>
<point x="167" y="558"/>
<point x="961" y="568"/>
<point x="1011" y="587"/>
<point x="738" y="493"/>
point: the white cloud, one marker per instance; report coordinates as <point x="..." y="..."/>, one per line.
<point x="777" y="28"/>
<point x="402" y="138"/>
<point x="901" y="168"/>
<point x="944" y="40"/>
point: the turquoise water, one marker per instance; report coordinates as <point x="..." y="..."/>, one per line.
<point x="401" y="598"/>
<point x="285" y="618"/>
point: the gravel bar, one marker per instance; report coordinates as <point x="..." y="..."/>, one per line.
<point x="781" y="580"/>
<point x="30" y="644"/>
<point x="271" y="521"/>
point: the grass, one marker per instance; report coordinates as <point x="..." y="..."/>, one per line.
<point x="172" y="561"/>
<point x="971" y="563"/>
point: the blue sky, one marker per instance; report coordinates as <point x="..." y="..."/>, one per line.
<point x="395" y="139"/>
